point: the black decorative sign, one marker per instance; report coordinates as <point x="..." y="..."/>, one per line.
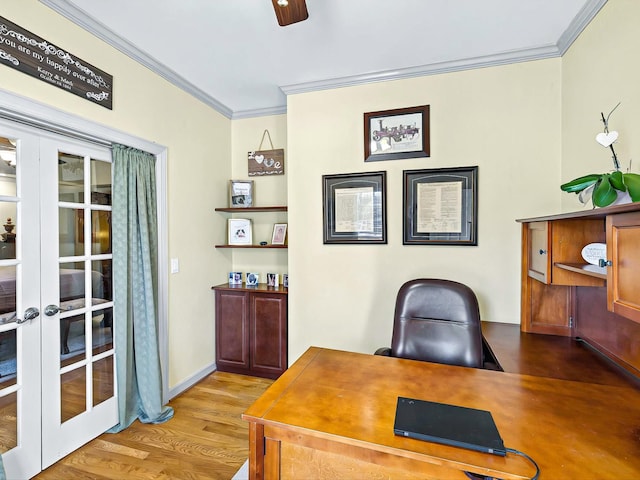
<point x="30" y="54"/>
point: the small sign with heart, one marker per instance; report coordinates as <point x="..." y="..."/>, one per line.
<point x="606" y="139"/>
<point x="266" y="162"/>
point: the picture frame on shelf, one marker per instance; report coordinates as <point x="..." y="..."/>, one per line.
<point x="240" y="231"/>
<point x="279" y="236"/>
<point x="397" y="134"/>
<point x="273" y="279"/>
<point x="235" y="278"/>
<point x="241" y="193"/>
<point x="252" y="279"/>
<point x="440" y="206"/>
<point x="354" y="208"/>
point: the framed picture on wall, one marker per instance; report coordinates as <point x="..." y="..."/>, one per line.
<point x="355" y="208"/>
<point x="440" y="206"/>
<point x="396" y="134"/>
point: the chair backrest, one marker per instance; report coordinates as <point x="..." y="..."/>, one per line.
<point x="437" y="321"/>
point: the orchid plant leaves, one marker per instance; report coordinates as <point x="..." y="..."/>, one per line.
<point x="606" y="186"/>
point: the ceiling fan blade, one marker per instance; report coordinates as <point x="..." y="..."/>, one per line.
<point x="295" y="11"/>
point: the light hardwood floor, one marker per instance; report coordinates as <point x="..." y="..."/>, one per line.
<point x="206" y="439"/>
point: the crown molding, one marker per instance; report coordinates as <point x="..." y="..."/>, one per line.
<point x="505" y="58"/>
<point x="83" y="20"/>
<point x="579" y="23"/>
<point x="259" y="112"/>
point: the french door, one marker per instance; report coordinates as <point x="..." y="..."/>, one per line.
<point x="57" y="364"/>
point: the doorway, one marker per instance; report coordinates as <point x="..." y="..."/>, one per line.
<point x="57" y="363"/>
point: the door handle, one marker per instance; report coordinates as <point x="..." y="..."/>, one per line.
<point x="51" y="310"/>
<point x="29" y="314"/>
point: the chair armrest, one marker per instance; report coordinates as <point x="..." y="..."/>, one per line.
<point x="385" y="351"/>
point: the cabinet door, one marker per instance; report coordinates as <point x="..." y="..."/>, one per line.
<point x="232" y="330"/>
<point x="538" y="251"/>
<point x="623" y="250"/>
<point x="268" y="334"/>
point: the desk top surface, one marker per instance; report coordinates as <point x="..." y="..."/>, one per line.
<point x="570" y="428"/>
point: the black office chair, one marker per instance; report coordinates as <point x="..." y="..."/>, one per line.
<point x="439" y="321"/>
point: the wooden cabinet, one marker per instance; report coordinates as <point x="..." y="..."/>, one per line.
<point x="552" y="266"/>
<point x="623" y="275"/>
<point x="563" y="295"/>
<point x="251" y="330"/>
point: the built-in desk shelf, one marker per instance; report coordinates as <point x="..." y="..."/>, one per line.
<point x="584" y="269"/>
<point x="563" y="295"/>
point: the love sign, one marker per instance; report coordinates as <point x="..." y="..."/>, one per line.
<point x="266" y="162"/>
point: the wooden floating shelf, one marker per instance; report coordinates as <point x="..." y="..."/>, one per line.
<point x="251" y="209"/>
<point x="584" y="269"/>
<point x="251" y="246"/>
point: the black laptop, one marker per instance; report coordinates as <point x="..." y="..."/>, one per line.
<point x="448" y="424"/>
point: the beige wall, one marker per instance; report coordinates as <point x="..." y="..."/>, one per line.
<point x="601" y="69"/>
<point x="505" y="120"/>
<point x="199" y="147"/>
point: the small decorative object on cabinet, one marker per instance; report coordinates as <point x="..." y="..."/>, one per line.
<point x="562" y="294"/>
<point x="251" y="330"/>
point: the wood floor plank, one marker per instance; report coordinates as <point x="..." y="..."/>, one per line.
<point x="206" y="440"/>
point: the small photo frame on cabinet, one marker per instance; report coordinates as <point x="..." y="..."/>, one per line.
<point x="440" y="206"/>
<point x="240" y="231"/>
<point x="241" y="193"/>
<point x="252" y="279"/>
<point x="279" y="236"/>
<point x="235" y="278"/>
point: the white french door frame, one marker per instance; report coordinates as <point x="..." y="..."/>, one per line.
<point x="22" y="110"/>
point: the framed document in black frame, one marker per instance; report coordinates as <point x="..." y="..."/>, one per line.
<point x="354" y="208"/>
<point x="440" y="206"/>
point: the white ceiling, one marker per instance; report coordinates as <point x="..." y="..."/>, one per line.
<point x="233" y="55"/>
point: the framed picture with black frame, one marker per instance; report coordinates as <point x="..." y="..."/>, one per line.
<point x="396" y="134"/>
<point x="355" y="208"/>
<point x="440" y="206"/>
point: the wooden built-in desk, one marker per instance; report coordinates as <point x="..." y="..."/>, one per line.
<point x="563" y="295"/>
<point x="331" y="415"/>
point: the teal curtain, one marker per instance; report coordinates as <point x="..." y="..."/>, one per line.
<point x="135" y="280"/>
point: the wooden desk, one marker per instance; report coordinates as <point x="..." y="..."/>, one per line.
<point x="331" y="414"/>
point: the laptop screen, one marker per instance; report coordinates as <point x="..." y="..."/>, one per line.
<point x="448" y="424"/>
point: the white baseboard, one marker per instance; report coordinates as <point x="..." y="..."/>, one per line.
<point x="191" y="381"/>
